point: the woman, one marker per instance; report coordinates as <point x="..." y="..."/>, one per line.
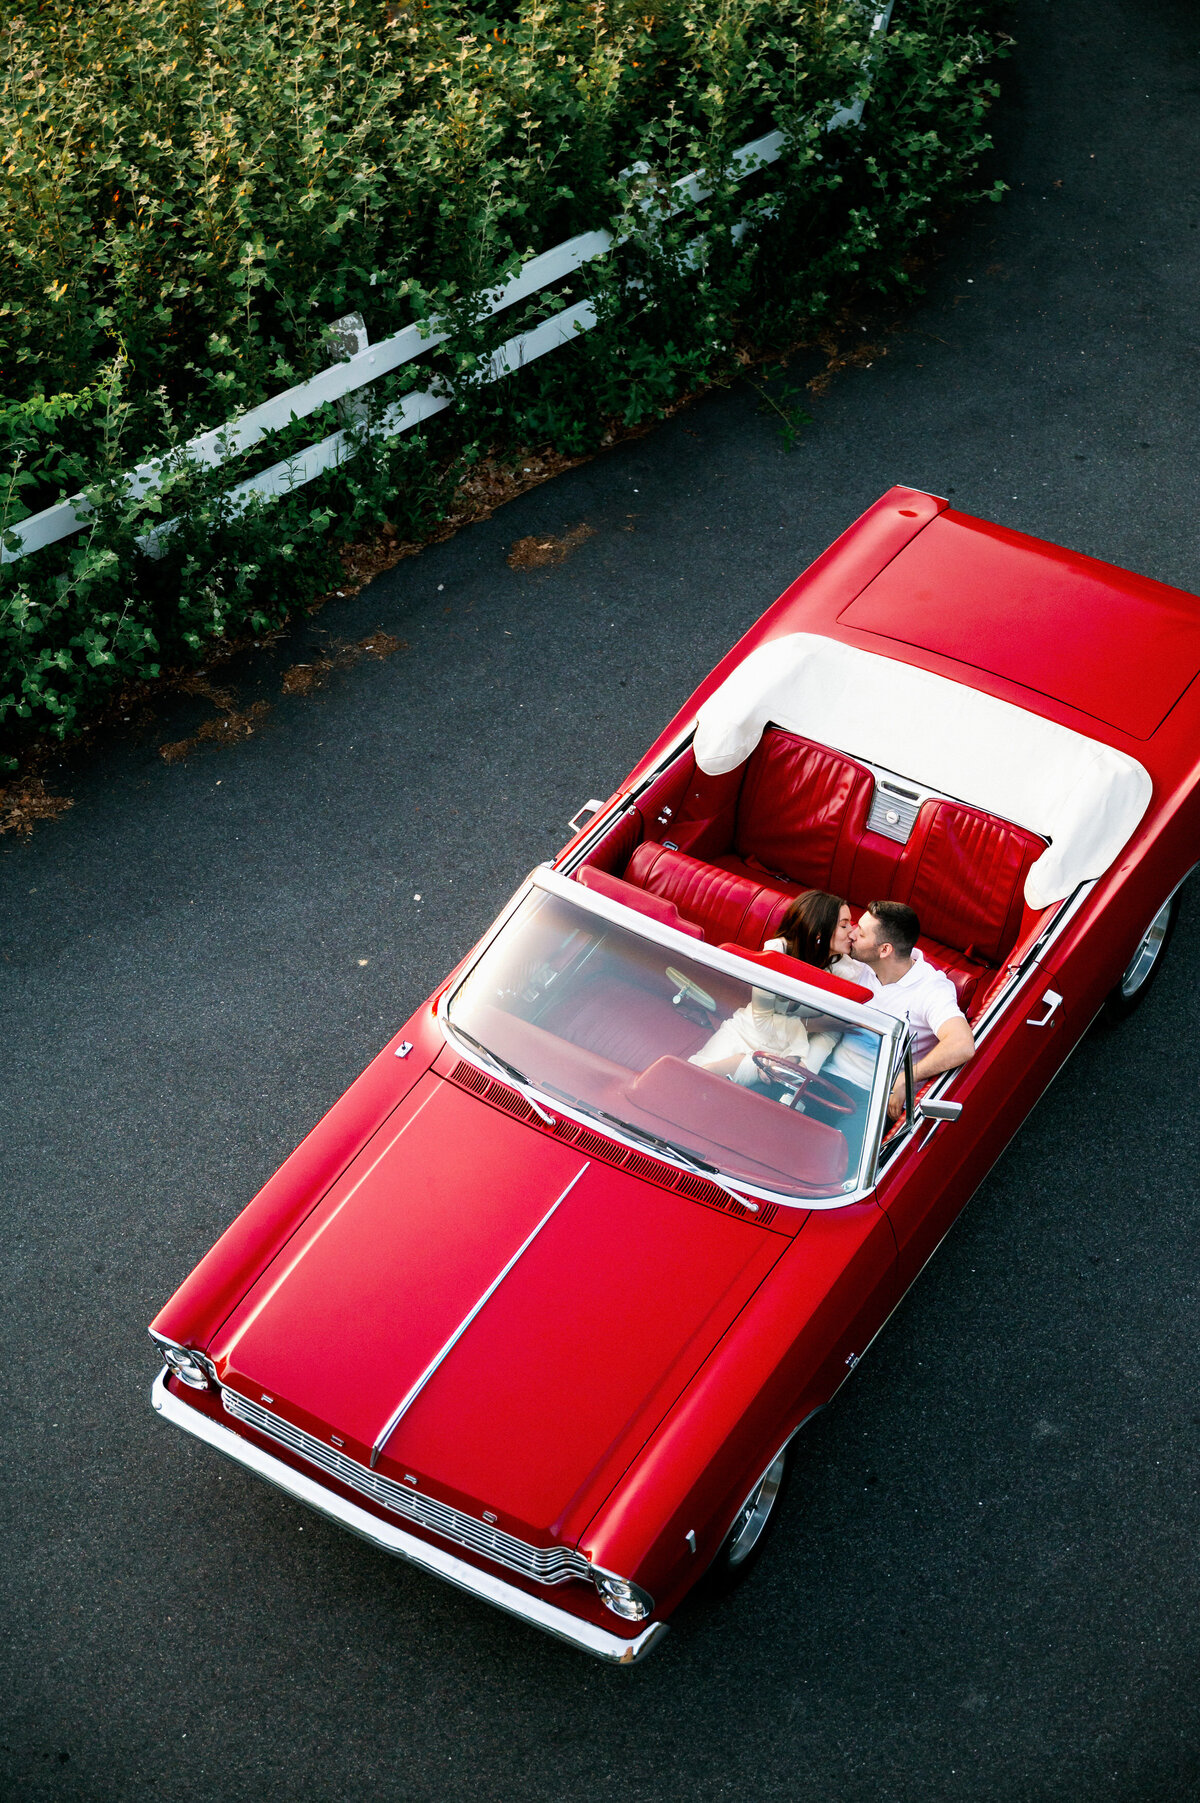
<point x="815" y="929"/>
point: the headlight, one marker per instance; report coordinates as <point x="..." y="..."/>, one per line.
<point x="622" y="1597"/>
<point x="191" y="1368"/>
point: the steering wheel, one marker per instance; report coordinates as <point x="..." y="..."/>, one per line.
<point x="809" y="1085"/>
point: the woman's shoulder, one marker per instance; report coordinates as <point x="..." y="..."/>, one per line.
<point x="854" y="972"/>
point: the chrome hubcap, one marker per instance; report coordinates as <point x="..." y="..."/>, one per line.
<point x="1146" y="955"/>
<point x="747" y="1529"/>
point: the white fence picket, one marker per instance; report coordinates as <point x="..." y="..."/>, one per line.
<point x="294" y="472"/>
<point x="218" y="445"/>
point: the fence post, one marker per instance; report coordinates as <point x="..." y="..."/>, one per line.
<point x="348" y="337"/>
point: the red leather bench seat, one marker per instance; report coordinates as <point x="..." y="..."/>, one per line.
<point x="800" y="814"/>
<point x="722" y="903"/>
<point x="964" y="873"/>
<point x="747" y="911"/>
<point x="966" y="975"/>
<point x="798" y="821"/>
<point x="962" y="870"/>
<point x="641" y="898"/>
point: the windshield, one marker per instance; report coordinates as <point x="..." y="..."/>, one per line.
<point x="712" y="1069"/>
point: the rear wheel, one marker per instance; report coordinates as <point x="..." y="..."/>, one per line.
<point x="742" y="1546"/>
<point x="1144" y="966"/>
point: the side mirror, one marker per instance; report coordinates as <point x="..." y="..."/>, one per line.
<point x="940" y="1111"/>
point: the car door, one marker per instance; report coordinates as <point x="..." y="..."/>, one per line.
<point x="933" y="1172"/>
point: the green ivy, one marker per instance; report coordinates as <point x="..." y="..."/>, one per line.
<point x="191" y="190"/>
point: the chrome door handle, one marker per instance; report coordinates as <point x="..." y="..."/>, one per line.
<point x="1053" y="1003"/>
<point x="574" y="824"/>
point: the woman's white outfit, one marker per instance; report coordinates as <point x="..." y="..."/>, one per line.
<point x="773" y="1023"/>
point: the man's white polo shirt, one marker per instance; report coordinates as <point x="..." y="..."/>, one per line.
<point x="924" y="997"/>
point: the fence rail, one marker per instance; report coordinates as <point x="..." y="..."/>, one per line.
<point x="368" y="363"/>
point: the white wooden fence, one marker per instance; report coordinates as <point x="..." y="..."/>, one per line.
<point x="368" y="362"/>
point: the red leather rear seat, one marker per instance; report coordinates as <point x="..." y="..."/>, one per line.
<point x="747" y="911"/>
<point x="722" y="903"/>
<point x="964" y="973"/>
<point x="962" y="870"/>
<point x="800" y="814"/>
<point x="964" y="873"/>
<point x="634" y="897"/>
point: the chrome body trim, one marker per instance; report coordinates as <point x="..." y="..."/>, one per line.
<point x="624" y="800"/>
<point x="598" y="828"/>
<point x="552" y="881"/>
<point x="698" y="951"/>
<point x="1017" y="973"/>
<point x="584" y="1635"/>
<point x="437" y="1359"/>
<point x="545" y="1564"/>
<point x="1057" y="925"/>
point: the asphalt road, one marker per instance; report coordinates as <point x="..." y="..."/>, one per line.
<point x="985" y="1583"/>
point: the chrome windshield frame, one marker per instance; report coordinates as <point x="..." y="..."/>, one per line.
<point x="890" y="1030"/>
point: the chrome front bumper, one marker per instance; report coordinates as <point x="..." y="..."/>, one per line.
<point x="581" y="1634"/>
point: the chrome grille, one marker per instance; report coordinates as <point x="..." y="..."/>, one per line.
<point x="547" y="1564"/>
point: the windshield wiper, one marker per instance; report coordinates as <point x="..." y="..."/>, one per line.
<point x="674" y="1152"/>
<point x="504" y="1069"/>
<point x="667" y="1148"/>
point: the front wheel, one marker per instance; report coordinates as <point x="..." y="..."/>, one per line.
<point x="1144" y="966"/>
<point x="744" y="1542"/>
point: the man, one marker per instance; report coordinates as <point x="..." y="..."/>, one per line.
<point x="904" y="985"/>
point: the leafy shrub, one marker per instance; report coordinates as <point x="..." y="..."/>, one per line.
<point x="191" y="190"/>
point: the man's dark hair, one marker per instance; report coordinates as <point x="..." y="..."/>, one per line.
<point x="901" y="928"/>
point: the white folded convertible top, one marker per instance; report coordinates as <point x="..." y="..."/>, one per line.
<point x="1084" y="797"/>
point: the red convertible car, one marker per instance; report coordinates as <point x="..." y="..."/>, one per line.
<point x="541" y="1303"/>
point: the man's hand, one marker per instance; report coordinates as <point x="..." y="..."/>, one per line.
<point x="896" y="1099"/>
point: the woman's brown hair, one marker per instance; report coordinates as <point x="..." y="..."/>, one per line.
<point x="809" y="925"/>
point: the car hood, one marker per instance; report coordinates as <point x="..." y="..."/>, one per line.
<point x="586" y="1341"/>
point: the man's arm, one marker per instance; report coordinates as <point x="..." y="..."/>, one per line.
<point x="955" y="1046"/>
